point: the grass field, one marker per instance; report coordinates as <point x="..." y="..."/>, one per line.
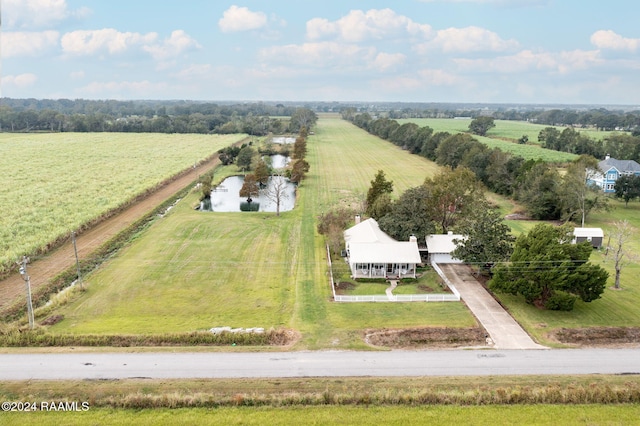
<point x="503" y="136"/>
<point x="54" y="183"/>
<point x="194" y="270"/>
<point x="617" y="308"/>
<point x="600" y="399"/>
<point x="543" y="414"/>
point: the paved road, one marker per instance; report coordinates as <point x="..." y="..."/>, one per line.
<point x="318" y="364"/>
<point x="505" y="332"/>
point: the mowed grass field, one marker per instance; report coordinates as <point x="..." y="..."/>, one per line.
<point x="194" y="270"/>
<point x="54" y="183"/>
<point x="541" y="414"/>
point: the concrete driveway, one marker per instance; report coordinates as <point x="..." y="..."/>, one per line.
<point x="505" y="332"/>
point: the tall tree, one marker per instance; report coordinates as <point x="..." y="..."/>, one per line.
<point x="627" y="188"/>
<point x="261" y="172"/>
<point x="276" y="191"/>
<point x="379" y="185"/>
<point x="250" y="187"/>
<point x="481" y="125"/>
<point x="302" y="117"/>
<point x="550" y="271"/>
<point x="245" y="157"/>
<point x="621" y="235"/>
<point x="454" y="193"/>
<point x="578" y="197"/>
<point x="488" y="239"/>
<point x="409" y="215"/>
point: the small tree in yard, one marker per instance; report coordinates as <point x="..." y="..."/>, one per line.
<point x="276" y="191"/>
<point x="550" y="271"/>
<point x="379" y="185"/>
<point x="332" y="225"/>
<point x="621" y="234"/>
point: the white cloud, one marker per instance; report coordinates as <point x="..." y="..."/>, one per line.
<point x="38" y="13"/>
<point x="527" y="60"/>
<point x="422" y="79"/>
<point x="469" y="39"/>
<point x="77" y="75"/>
<point x="607" y="39"/>
<point x="360" y="26"/>
<point x="105" y="40"/>
<point x="195" y="70"/>
<point x="123" y="89"/>
<point x="388" y="61"/>
<point x="324" y="54"/>
<point x="20" y="80"/>
<point x="237" y="19"/>
<point x="171" y="47"/>
<point x="27" y="43"/>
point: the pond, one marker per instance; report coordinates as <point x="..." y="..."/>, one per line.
<point x="225" y="197"/>
<point x="278" y="161"/>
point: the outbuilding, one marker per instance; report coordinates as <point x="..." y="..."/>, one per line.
<point x="441" y="246"/>
<point x="594" y="235"/>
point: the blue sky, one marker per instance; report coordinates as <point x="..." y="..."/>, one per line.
<point x="511" y="51"/>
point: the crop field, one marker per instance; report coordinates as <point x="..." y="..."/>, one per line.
<point x="196" y="270"/>
<point x="504" y="136"/>
<point x="53" y="184"/>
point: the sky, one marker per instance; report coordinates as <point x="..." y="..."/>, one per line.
<point x="485" y="51"/>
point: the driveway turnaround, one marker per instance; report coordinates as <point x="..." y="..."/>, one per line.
<point x="505" y="332"/>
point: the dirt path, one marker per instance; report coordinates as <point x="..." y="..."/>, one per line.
<point x="41" y="271"/>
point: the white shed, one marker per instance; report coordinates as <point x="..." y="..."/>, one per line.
<point x="594" y="235"/>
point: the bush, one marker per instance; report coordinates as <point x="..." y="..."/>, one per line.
<point x="560" y="301"/>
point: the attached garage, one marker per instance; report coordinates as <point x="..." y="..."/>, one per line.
<point x="440" y="247"/>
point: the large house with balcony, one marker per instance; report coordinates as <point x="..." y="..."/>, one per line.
<point x="610" y="170"/>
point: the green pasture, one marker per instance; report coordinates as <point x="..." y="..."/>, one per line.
<point x="542" y="414"/>
<point x="196" y="270"/>
<point x="503" y="136"/>
<point x="56" y="182"/>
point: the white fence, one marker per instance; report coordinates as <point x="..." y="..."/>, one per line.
<point x="441" y="297"/>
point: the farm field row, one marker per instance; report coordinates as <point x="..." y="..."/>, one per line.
<point x="55" y="183"/>
<point x="196" y="270"/>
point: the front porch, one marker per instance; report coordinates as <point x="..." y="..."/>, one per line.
<point x="383" y="270"/>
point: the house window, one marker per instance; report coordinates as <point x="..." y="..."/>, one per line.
<point x="610" y="186"/>
<point x="612" y="176"/>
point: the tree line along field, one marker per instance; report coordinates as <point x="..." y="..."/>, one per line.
<point x="256" y="270"/>
<point x="505" y="135"/>
<point x="56" y="183"/>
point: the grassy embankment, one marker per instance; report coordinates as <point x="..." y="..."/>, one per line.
<point x="194" y="270"/>
<point x="66" y="180"/>
<point x="406" y="400"/>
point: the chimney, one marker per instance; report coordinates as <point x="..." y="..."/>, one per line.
<point x="413" y="239"/>
<point x="607" y="157"/>
<point x="357" y="219"/>
<point x="450" y="233"/>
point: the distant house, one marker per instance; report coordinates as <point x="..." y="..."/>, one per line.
<point x="373" y="254"/>
<point x="610" y="170"/>
<point x="594" y="235"/>
<point x="440" y="247"/>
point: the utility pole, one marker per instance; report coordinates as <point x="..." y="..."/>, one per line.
<point x="75" y="250"/>
<point x="25" y="275"/>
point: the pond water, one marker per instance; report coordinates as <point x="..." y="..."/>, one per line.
<point x="278" y="161"/>
<point x="225" y="197"/>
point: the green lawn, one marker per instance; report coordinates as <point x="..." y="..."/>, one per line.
<point x="66" y="180"/>
<point x="388" y="415"/>
<point x="195" y="270"/>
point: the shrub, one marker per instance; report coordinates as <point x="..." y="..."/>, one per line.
<point x="560" y="301"/>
